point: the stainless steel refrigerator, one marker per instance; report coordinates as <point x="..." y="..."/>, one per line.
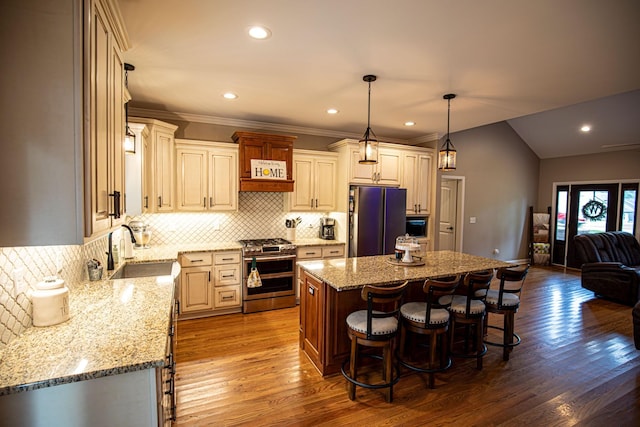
<point x="377" y="215"/>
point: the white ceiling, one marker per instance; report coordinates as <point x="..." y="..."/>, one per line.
<point x="546" y="66"/>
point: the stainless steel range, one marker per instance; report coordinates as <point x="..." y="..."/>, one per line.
<point x="276" y="264"/>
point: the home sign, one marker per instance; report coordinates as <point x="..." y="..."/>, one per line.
<point x="268" y="169"/>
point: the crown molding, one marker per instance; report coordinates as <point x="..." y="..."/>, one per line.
<point x="250" y="124"/>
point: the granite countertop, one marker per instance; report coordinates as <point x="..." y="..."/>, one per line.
<point x="171" y="252"/>
<point x="115" y="326"/>
<point x="353" y="273"/>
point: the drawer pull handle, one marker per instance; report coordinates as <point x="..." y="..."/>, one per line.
<point x="196" y="260"/>
<point x="227" y="259"/>
<point x="230" y="297"/>
<point x="228" y="276"/>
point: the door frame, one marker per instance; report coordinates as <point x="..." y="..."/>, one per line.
<point x="570" y="184"/>
<point x="459" y="210"/>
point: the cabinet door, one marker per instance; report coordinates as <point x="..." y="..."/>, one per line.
<point x="281" y="151"/>
<point x="302" y="197"/>
<point x="118" y="125"/>
<point x="388" y="167"/>
<point x="192" y="179"/>
<point x="99" y="122"/>
<point x="325" y="185"/>
<point x="423" y="184"/>
<point x="195" y="289"/>
<point x="223" y="181"/>
<point x="359" y="173"/>
<point x="163" y="152"/>
<point x="311" y="295"/>
<point x="252" y="148"/>
<point x="409" y="165"/>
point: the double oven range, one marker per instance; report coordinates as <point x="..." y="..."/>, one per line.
<point x="276" y="264"/>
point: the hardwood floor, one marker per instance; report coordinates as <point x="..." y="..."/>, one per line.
<point x="576" y="365"/>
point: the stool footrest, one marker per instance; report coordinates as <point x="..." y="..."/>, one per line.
<point x="424" y="370"/>
<point x="513" y="344"/>
<point x="394" y="380"/>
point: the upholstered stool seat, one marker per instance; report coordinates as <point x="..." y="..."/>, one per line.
<point x="374" y="327"/>
<point x="431" y="319"/>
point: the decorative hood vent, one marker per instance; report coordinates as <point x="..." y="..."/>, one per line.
<point x="266" y="161"/>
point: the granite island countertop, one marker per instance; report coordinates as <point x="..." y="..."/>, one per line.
<point x="353" y="273"/>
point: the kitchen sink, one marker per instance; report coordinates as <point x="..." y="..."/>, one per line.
<point x="143" y="269"/>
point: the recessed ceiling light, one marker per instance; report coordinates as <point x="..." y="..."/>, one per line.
<point x="230" y="95"/>
<point x="259" y="33"/>
<point x="332" y="111"/>
<point x="585" y="128"/>
<point x="409" y="123"/>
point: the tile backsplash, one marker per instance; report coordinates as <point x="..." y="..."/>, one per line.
<point x="259" y="215"/>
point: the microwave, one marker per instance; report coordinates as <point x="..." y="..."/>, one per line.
<point x="417" y="226"/>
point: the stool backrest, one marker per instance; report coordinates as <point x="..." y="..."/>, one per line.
<point x="511" y="280"/>
<point x="382" y="301"/>
<point x="477" y="284"/>
<point x="436" y="288"/>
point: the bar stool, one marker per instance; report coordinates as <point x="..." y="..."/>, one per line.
<point x="375" y="327"/>
<point x="505" y="301"/>
<point x="469" y="311"/>
<point x="429" y="318"/>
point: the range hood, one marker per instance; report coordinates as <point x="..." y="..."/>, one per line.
<point x="271" y="154"/>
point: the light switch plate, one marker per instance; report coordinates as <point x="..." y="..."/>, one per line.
<point x="472" y="220"/>
<point x="19" y="285"/>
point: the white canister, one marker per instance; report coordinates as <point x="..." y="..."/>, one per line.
<point x="50" y="303"/>
<point x="291" y="234"/>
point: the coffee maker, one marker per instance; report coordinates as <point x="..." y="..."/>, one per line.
<point x="327" y="228"/>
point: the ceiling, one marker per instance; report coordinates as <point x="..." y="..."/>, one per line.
<point x="545" y="66"/>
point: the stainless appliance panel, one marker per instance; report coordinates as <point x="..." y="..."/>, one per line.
<point x="377" y="217"/>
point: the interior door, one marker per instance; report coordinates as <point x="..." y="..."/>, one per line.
<point x="592" y="209"/>
<point x="448" y="214"/>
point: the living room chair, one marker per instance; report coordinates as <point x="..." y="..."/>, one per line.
<point x="505" y="301"/>
<point x="376" y="327"/>
<point x="431" y="319"/>
<point x="468" y="311"/>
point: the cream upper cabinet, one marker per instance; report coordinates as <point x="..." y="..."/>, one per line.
<point x="159" y="165"/>
<point x="314" y="173"/>
<point x="206" y="176"/>
<point x="105" y="175"/>
<point x="385" y="172"/>
<point x="417" y="179"/>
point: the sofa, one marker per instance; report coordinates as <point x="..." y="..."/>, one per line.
<point x="610" y="265"/>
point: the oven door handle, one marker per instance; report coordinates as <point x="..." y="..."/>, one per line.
<point x="270" y="258"/>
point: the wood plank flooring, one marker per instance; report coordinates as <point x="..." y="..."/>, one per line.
<point x="577" y="365"/>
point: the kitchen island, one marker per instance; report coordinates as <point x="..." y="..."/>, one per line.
<point x="331" y="290"/>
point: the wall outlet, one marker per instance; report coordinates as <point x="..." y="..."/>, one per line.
<point x="19" y="285"/>
<point x="496" y="251"/>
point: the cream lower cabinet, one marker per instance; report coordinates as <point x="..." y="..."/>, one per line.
<point x="314" y="189"/>
<point x="207" y="176"/>
<point x="311" y="253"/>
<point x="417" y="179"/>
<point x="210" y="283"/>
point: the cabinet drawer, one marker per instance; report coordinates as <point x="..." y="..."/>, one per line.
<point x="226" y="258"/>
<point x="228" y="296"/>
<point x="309" y="252"/>
<point x="333" y="251"/>
<point x="195" y="259"/>
<point x="226" y="275"/>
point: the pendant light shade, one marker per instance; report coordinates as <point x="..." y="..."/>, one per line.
<point x="447" y="154"/>
<point x="129" y="136"/>
<point x="368" y="145"/>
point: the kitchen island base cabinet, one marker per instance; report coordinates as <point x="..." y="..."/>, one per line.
<point x="129" y="399"/>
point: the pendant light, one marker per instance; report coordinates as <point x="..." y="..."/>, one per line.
<point x="447" y="155"/>
<point x="129" y="136"/>
<point x="368" y="145"/>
